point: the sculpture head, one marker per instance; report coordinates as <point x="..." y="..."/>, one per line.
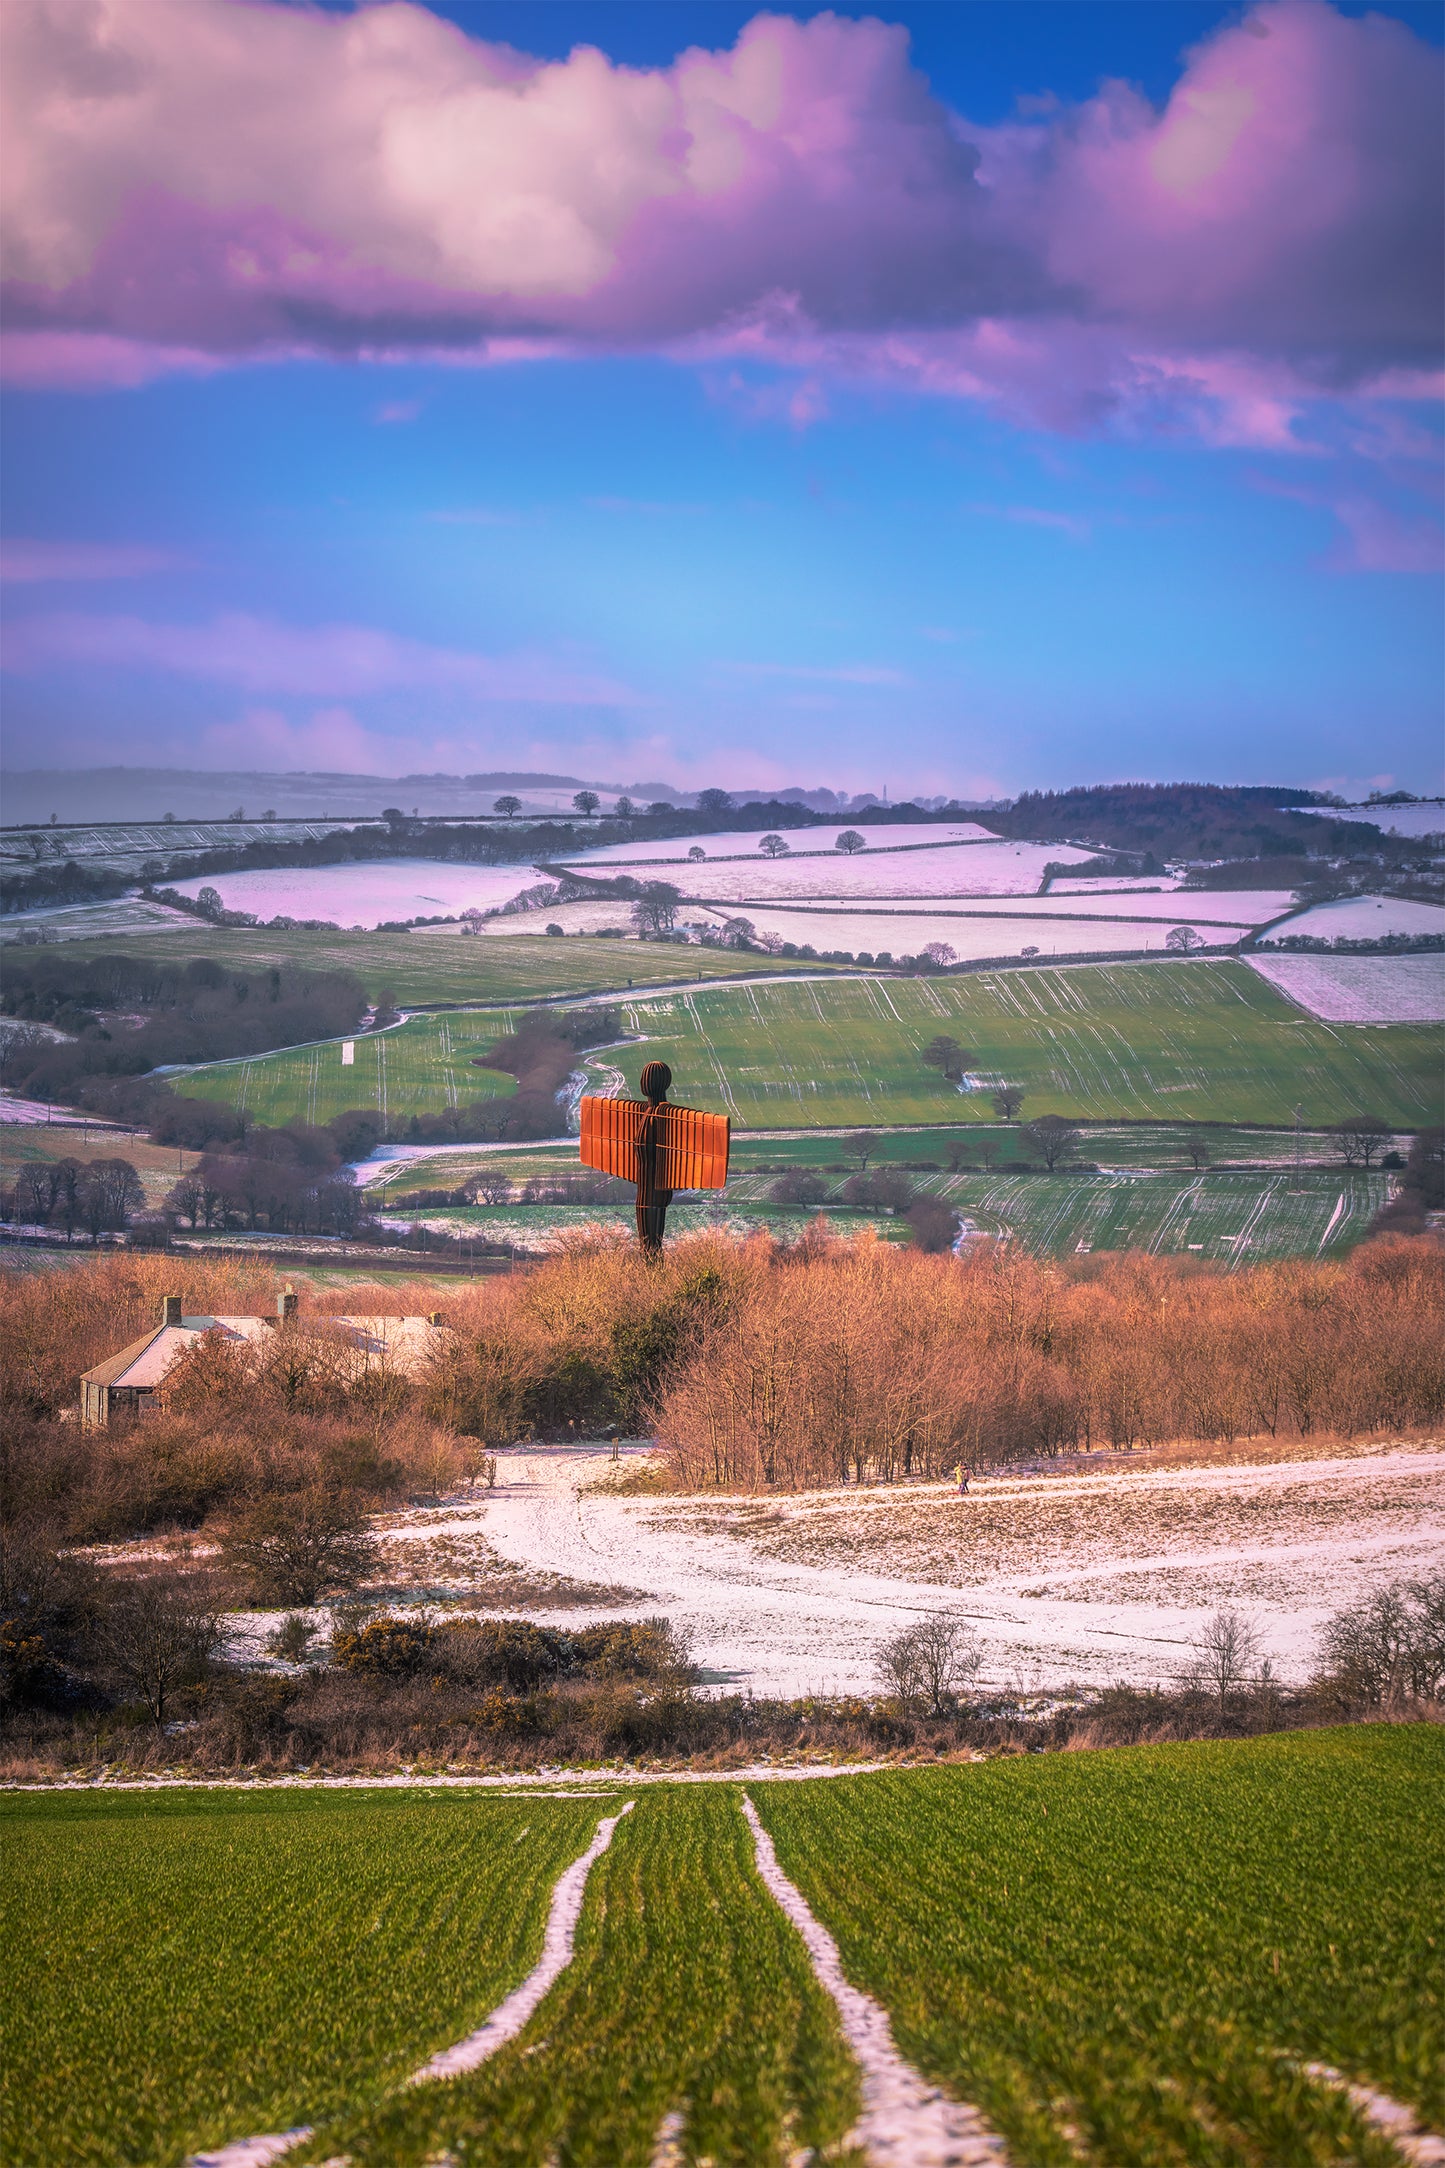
<point x="656" y="1081"/>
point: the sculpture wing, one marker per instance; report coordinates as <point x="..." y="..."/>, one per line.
<point x="694" y="1145"/>
<point x="609" y="1135"/>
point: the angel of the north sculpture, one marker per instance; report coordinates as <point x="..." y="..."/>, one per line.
<point x="658" y="1146"/>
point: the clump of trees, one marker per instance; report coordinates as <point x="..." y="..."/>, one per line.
<point x="758" y="1364"/>
<point x="125" y="1016"/>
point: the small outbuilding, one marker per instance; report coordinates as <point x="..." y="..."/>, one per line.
<point x="130" y="1382"/>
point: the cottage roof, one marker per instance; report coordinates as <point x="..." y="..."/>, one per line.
<point x="142" y="1366"/>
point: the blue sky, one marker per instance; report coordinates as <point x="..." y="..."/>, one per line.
<point x="867" y="550"/>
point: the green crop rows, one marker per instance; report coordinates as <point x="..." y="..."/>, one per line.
<point x="1204" y="1041"/>
<point x="1230" y="1218"/>
<point x="438" y="963"/>
<point x="1140" y="1947"/>
<point x="421" y="1066"/>
<point x="1199" y="1041"/>
<point x="1122" y="1958"/>
<point x="689" y="1994"/>
<point x="198" y="1966"/>
<point x="1238" y="1218"/>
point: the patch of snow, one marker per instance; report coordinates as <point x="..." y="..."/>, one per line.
<point x="1067" y="1578"/>
<point x="1001" y="934"/>
<point x="1409" y="2136"/>
<point x="906" y="2122"/>
<point x="977" y="869"/>
<point x="507" y="2020"/>
<point x="1393" y="820"/>
<point x="253" y="2152"/>
<point x="363" y="895"/>
<point x="743" y="842"/>
<point x="1360" y="989"/>
<point x="1362" y="918"/>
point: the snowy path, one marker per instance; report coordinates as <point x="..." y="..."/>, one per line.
<point x="906" y="2122"/>
<point x="1133" y="1561"/>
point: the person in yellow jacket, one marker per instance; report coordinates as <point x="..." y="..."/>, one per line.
<point x="960" y="1477"/>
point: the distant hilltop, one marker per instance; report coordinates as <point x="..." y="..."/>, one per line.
<point x="33" y="796"/>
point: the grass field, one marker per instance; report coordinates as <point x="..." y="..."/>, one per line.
<point x="421" y="1066"/>
<point x="1233" y="1219"/>
<point x="1228" y="1218"/>
<point x="1143" y="1041"/>
<point x="689" y="1993"/>
<point x="199" y="1966"/>
<point x="437" y="963"/>
<point x="1121" y="1957"/>
<point x="1203" y="1041"/>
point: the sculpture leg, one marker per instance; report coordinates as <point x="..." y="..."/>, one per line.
<point x="651" y="1222"/>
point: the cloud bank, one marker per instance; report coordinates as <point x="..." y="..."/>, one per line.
<point x="213" y="182"/>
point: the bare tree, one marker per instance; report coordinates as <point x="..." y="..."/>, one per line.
<point x="738" y="932"/>
<point x="1183" y="939"/>
<point x="1007" y="1101"/>
<point x="1361" y="1136"/>
<point x="1196" y="1151"/>
<point x="624" y="808"/>
<point x="297" y="1547"/>
<point x="1392" y="1644"/>
<point x="585" y="802"/>
<point x="655" y="910"/>
<point x="930" y="1662"/>
<point x="773" y="847"/>
<point x="158" y="1633"/>
<point x="850" y="841"/>
<point x="861" y="1146"/>
<point x="1226" y="1655"/>
<point x="507" y="805"/>
<point x="938" y="953"/>
<point x="1052" y="1138"/>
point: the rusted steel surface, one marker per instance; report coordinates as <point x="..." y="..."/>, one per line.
<point x="692" y="1147"/>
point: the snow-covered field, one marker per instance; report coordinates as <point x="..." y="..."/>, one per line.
<point x="906" y="932"/>
<point x="364" y="895"/>
<point x="959" y="869"/>
<point x="1394" y="820"/>
<point x="1361" y="989"/>
<point x="1128" y="884"/>
<point x="1362" y="918"/>
<point x="1087" y="1576"/>
<point x="743" y="842"/>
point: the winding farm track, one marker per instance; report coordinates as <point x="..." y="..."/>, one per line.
<point x="1079" y="1576"/>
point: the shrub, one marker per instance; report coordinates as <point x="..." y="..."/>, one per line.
<point x="296" y="1548"/>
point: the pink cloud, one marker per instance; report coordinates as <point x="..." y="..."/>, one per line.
<point x="27" y="561"/>
<point x="1378" y="539"/>
<point x="262" y="180"/>
<point x="330" y="662"/>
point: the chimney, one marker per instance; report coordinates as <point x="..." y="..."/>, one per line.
<point x="170" y="1309"/>
<point x="286" y="1306"/>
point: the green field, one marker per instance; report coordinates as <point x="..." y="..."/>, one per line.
<point x="1143" y="1945"/>
<point x="1234" y="1218"/>
<point x="1227" y="1218"/>
<point x="1202" y="1041"/>
<point x="199" y="1966"/>
<point x="421" y="1066"/>
<point x="1122" y="1958"/>
<point x="1205" y="1041"/>
<point x="438" y="963"/>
